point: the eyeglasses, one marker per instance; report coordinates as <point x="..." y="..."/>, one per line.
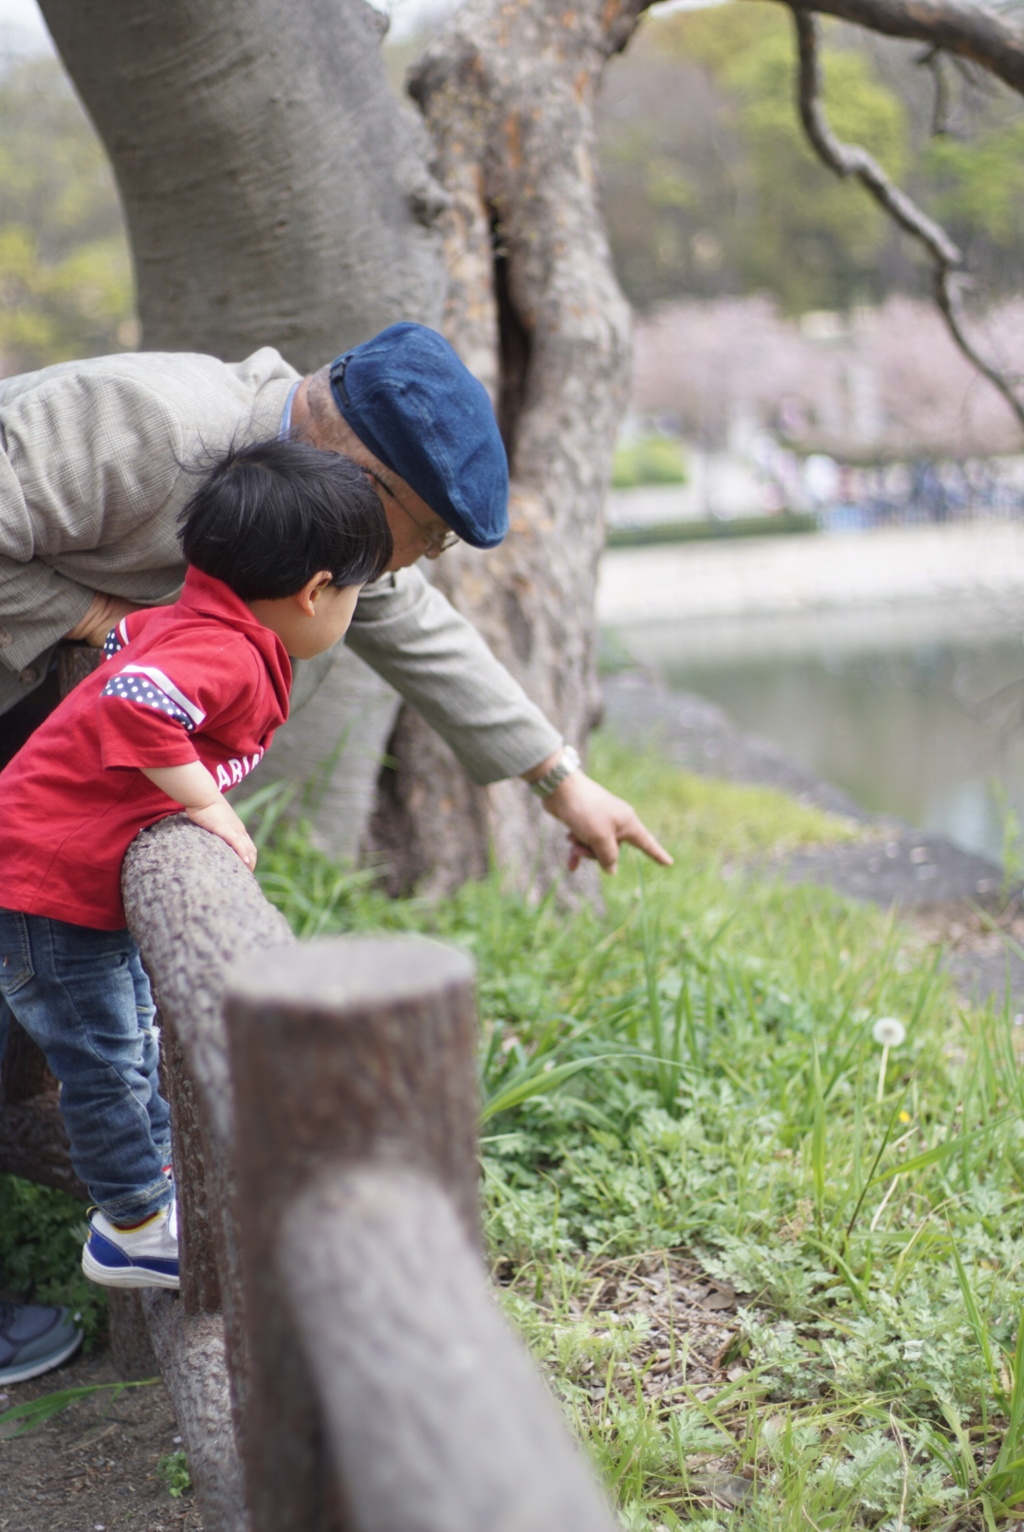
<point x="435" y="543"/>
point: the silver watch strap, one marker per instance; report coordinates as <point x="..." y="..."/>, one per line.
<point x="568" y="762"/>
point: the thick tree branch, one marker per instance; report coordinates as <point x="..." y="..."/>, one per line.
<point x="851" y="160"/>
<point x="967" y="28"/>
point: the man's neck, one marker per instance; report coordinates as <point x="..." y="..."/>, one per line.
<point x="300" y="409"/>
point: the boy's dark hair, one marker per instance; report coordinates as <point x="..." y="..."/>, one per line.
<point x="268" y="516"/>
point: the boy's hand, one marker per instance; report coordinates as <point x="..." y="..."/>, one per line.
<point x="193" y="787"/>
<point x="220" y="819"/>
<point x="598" y="823"/>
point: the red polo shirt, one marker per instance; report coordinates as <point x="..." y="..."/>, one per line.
<point x="201" y="680"/>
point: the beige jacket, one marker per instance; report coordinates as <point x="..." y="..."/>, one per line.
<point x="97" y="460"/>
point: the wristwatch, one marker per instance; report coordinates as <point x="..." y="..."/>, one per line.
<point x="568" y="762"/>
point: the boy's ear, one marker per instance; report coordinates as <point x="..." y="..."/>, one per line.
<point x="307" y="597"/>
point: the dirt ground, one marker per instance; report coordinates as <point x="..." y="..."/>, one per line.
<point x="93" y="1468"/>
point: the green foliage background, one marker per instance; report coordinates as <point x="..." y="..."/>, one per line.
<point x="710" y="187"/>
<point x="41" y="1236"/>
<point x="65" y="276"/>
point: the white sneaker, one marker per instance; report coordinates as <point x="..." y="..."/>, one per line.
<point x="146" y="1256"/>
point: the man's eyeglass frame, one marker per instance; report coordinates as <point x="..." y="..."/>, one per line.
<point x="435" y="543"/>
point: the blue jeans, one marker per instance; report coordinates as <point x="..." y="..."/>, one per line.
<point x="84" y="997"/>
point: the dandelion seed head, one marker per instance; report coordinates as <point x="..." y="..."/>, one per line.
<point x="888" y="1031"/>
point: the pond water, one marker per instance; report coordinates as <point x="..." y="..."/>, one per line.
<point x="930" y="728"/>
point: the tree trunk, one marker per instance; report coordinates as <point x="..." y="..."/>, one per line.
<point x="275" y="195"/>
<point x="507" y="92"/>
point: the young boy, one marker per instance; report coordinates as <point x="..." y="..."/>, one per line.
<point x="279" y="537"/>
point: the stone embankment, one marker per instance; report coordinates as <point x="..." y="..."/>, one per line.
<point x="975" y="567"/>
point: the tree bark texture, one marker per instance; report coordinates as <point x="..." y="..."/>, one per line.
<point x="273" y="192"/>
<point x="34" y="1144"/>
<point x="194" y="910"/>
<point x="346" y="1052"/>
<point x="507" y="92"/>
<point x="131" y="1345"/>
<point x="191" y="1352"/>
<point x="435" y="1418"/>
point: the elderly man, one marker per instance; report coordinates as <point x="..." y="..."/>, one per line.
<point x="96" y="464"/>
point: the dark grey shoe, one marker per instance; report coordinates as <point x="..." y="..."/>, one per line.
<point x="34" y="1338"/>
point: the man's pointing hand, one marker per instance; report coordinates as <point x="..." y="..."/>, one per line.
<point x="598" y="823"/>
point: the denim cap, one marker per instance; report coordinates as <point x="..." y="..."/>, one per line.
<point x="419" y="409"/>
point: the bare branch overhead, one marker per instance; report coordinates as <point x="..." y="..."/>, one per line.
<point x="848" y="160"/>
<point x="992" y="36"/>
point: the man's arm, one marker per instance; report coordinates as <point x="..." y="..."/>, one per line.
<point x="412" y="636"/>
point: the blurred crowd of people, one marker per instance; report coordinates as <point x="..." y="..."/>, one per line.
<point x="845" y="498"/>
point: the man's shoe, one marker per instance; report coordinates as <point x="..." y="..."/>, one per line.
<point x="34" y="1338"/>
<point x="146" y="1256"/>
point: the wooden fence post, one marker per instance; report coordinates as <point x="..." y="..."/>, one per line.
<point x="435" y="1418"/>
<point x="194" y="909"/>
<point x="350" y="1049"/>
<point x="385" y="1392"/>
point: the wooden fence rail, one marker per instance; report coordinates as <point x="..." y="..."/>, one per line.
<point x="335" y="1358"/>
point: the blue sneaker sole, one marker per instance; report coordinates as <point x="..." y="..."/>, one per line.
<point x="39" y="1365"/>
<point x="116" y="1270"/>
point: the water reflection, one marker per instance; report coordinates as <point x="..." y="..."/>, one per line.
<point x="931" y="730"/>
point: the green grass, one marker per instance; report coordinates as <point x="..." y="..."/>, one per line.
<point x="41" y="1236"/>
<point x="648" y="460"/>
<point x="708" y="529"/>
<point x="692" y="1070"/>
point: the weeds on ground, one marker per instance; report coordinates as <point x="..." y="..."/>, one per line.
<point x="695" y="1070"/>
<point x="41" y="1237"/>
<point x="173" y="1470"/>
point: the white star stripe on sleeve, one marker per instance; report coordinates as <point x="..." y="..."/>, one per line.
<point x="144" y="694"/>
<point x="166" y="685"/>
